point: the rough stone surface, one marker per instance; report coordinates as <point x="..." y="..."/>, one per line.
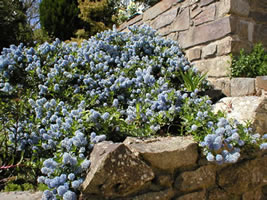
<point x="194" y="54"/>
<point x="243" y="109"/>
<point x="218" y="194"/>
<point x="21" y="195"/>
<point x="223" y="84"/>
<point x="204" y="177"/>
<point x="162" y="195"/>
<point x="158" y="9"/>
<point x="166" y="153"/>
<point x="224" y="46"/>
<point x="207" y="15"/>
<point x="195" y="11"/>
<point x="215" y="67"/>
<point x="115" y="171"/>
<point x="206" y="2"/>
<point x="206" y="32"/>
<point x="242" y="87"/>
<point x="164" y="31"/>
<point x="254" y="195"/>
<point x="223" y="8"/>
<point x="164" y="19"/>
<point x="241" y="178"/>
<point x="261" y="83"/>
<point x="209" y="50"/>
<point x="193" y="196"/>
<point x="182" y="21"/>
<point x="260" y="33"/>
<point x="240" y="7"/>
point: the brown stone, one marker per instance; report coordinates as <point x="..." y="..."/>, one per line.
<point x="253" y="195"/>
<point x="165" y="181"/>
<point x="223" y="84"/>
<point x="261" y="82"/>
<point x="164" y="31"/>
<point x="162" y="195"/>
<point x="206" y="32"/>
<point x="164" y="19"/>
<point x="260" y="34"/>
<point x="182" y="21"/>
<point x="173" y="36"/>
<point x="158" y="9"/>
<point x="238" y="45"/>
<point x="242" y="87"/>
<point x="115" y="171"/>
<point x="206" y="2"/>
<point x="250" y="31"/>
<point x="203" y="177"/>
<point x="240" y="178"/>
<point x="218" y="194"/>
<point x="193" y="54"/>
<point x="207" y="15"/>
<point x="240" y="7"/>
<point x="214" y="67"/>
<point x="166" y="153"/>
<point x="243" y="30"/>
<point x="224" y="46"/>
<point x="193" y="196"/>
<point x="209" y="50"/>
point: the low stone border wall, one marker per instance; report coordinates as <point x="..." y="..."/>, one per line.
<point x="170" y="168"/>
<point x="237" y="87"/>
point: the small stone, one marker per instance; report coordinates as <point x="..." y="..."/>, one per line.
<point x="182" y="21"/>
<point x="209" y="50"/>
<point x="193" y="196"/>
<point x="164" y="19"/>
<point x="224" y="46"/>
<point x="207" y="15"/>
<point x="194" y="54"/>
<point x="242" y="87"/>
<point x="193" y="180"/>
<point x="261" y="82"/>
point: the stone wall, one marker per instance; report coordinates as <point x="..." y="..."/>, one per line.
<point x="171" y="168"/>
<point x="208" y="30"/>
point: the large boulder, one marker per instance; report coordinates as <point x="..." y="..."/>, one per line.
<point x="115" y="172"/>
<point x="244" y="109"/>
<point x="166" y="153"/>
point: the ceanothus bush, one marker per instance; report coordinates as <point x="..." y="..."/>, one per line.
<point x="61" y="99"/>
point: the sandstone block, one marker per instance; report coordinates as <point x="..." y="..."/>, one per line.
<point x="173" y="36"/>
<point x="248" y="108"/>
<point x="242" y="87"/>
<point x="260" y="33"/>
<point x="182" y="21"/>
<point x="165" y="19"/>
<point x="261" y="82"/>
<point x="115" y="171"/>
<point x="223" y="8"/>
<point x="203" y="177"/>
<point x="206" y="2"/>
<point x="165" y="31"/>
<point x="218" y="194"/>
<point x="224" y="46"/>
<point x="193" y="196"/>
<point x="158" y="9"/>
<point x="209" y="50"/>
<point x="243" y="30"/>
<point x="166" y="153"/>
<point x="254" y="195"/>
<point x="240" y="178"/>
<point x="240" y="7"/>
<point x="162" y="195"/>
<point x="223" y="84"/>
<point x="206" y="32"/>
<point x="215" y="67"/>
<point x="207" y="15"/>
<point x="194" y="54"/>
<point x="195" y="12"/>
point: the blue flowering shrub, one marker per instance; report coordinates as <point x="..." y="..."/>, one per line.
<point x="58" y="100"/>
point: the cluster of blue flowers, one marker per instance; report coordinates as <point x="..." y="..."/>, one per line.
<point x="115" y="84"/>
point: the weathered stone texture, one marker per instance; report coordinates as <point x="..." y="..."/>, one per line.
<point x="158" y="9"/>
<point x="115" y="171"/>
<point x="162" y="195"/>
<point x="254" y="195"/>
<point x="215" y="67"/>
<point x="164" y="19"/>
<point x="242" y="87"/>
<point x="224" y="46"/>
<point x="193" y="196"/>
<point x="204" y="177"/>
<point x="194" y="54"/>
<point x="209" y="50"/>
<point x="206" y="2"/>
<point x="166" y="153"/>
<point x="223" y="84"/>
<point x="182" y="21"/>
<point x="195" y="12"/>
<point x="243" y="109"/>
<point x="261" y="83"/>
<point x="241" y="178"/>
<point x="240" y="7"/>
<point x="223" y="8"/>
<point x="206" y="32"/>
<point x="207" y="15"/>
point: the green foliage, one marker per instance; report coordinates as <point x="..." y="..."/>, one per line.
<point x="250" y="64"/>
<point x="60" y="18"/>
<point x="97" y="15"/>
<point x="18" y="187"/>
<point x="13" y="24"/>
